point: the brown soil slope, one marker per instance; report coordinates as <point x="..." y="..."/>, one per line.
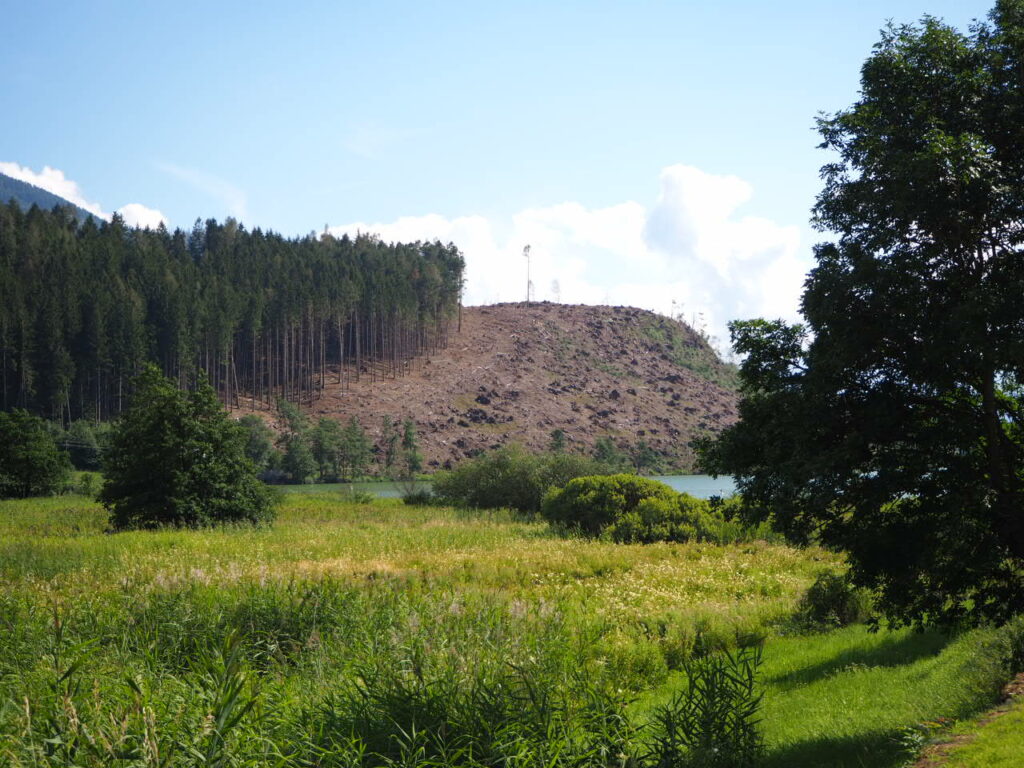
<point x="515" y="373"/>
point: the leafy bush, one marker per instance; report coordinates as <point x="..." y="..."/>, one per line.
<point x="510" y="478"/>
<point x="361" y="497"/>
<point x="418" y="498"/>
<point x="833" y="601"/>
<point x="684" y="518"/>
<point x="594" y="502"/>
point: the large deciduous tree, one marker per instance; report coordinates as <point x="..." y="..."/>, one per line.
<point x="177" y="459"/>
<point x="891" y="424"/>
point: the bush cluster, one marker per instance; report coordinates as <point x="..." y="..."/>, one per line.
<point x="833" y="601"/>
<point x="511" y="478"/>
<point x="636" y="510"/>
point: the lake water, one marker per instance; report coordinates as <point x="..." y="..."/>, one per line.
<point x="701" y="486"/>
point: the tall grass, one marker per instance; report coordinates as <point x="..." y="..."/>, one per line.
<point x="359" y="635"/>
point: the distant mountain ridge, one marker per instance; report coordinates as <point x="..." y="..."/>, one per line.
<point x="27" y="195"/>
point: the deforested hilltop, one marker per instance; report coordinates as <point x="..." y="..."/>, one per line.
<point x="515" y="373"/>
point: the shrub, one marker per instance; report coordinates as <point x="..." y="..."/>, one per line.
<point x="592" y="503"/>
<point x="833" y="601"/>
<point x="360" y="497"/>
<point x="510" y="478"/>
<point x="681" y="519"/>
<point x="418" y="498"/>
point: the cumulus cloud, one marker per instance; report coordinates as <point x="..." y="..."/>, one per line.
<point x="232" y="197"/>
<point x="53" y="180"/>
<point x="689" y="251"/>
<point x="138" y="215"/>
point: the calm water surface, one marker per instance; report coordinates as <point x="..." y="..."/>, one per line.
<point x="701" y="486"/>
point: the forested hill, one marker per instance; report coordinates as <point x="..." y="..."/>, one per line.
<point x="27" y="195"/>
<point x="83" y="306"/>
<point x="628" y="378"/>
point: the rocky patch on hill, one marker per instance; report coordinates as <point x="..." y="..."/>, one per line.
<point x="516" y="373"/>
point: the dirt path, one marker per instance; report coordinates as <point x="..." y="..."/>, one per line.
<point x="937" y="755"/>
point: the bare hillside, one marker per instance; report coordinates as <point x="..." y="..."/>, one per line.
<point x="515" y="373"/>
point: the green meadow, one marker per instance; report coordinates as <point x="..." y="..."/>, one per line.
<point x="379" y="634"/>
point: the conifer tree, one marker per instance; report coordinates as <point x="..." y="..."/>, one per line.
<point x="411" y="457"/>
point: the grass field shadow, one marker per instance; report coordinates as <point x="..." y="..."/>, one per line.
<point x="895" y="651"/>
<point x="871" y="750"/>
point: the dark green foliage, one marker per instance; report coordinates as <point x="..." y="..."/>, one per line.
<point x="294" y="419"/>
<point x="84" y="305"/>
<point x="177" y="459"/>
<point x="890" y="425"/>
<point x="297" y="461"/>
<point x="645" y="459"/>
<point x="411" y="459"/>
<point x="833" y="601"/>
<point x="713" y="722"/>
<point x="419" y="498"/>
<point x="31" y="463"/>
<point x="326" y="440"/>
<point x="82" y="445"/>
<point x="481" y="714"/>
<point x="607" y="453"/>
<point x="557" y="444"/>
<point x="259" y="446"/>
<point x="388" y="453"/>
<point x="510" y="478"/>
<point x="355" y="450"/>
<point x="592" y="503"/>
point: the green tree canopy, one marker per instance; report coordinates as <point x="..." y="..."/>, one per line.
<point x="411" y="457"/>
<point x="31" y="464"/>
<point x="259" y="446"/>
<point x="892" y="424"/>
<point x="177" y="459"/>
<point x="326" y="439"/>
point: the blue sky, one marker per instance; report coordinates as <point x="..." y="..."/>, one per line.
<point x="650" y="152"/>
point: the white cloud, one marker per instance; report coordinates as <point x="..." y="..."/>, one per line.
<point x="688" y="250"/>
<point x="53" y="180"/>
<point x="231" y="196"/>
<point x="138" y="215"/>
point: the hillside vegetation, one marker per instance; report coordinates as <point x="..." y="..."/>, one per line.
<point x="515" y="373"/>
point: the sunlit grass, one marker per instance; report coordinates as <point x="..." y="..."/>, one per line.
<point x="457" y="605"/>
<point x="995" y="743"/>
